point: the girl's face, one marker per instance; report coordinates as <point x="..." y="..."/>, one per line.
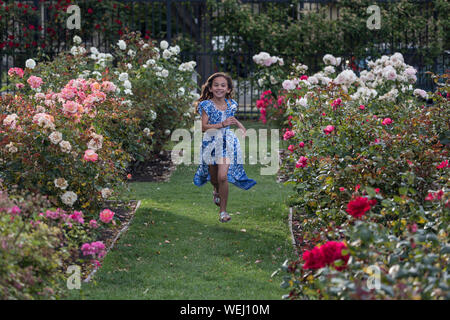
<point x="220" y="88"/>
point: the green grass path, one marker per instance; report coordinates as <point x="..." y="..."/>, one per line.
<point x="176" y="248"/>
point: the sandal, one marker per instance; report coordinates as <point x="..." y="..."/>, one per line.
<point x="224" y="217"/>
<point x="216" y="198"/>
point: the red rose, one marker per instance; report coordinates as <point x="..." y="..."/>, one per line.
<point x="314" y="259"/>
<point x="359" y="206"/>
<point x="327" y="254"/>
<point x="332" y="251"/>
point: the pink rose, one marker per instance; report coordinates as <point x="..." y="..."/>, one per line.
<point x="108" y="86"/>
<point x="362" y="107"/>
<point x="34" y="82"/>
<point x="90" y="155"/>
<point x="93" y="224"/>
<point x="70" y="107"/>
<point x="291" y="148"/>
<point x="106" y="216"/>
<point x="386" y="121"/>
<point x="328" y="129"/>
<point x="14" y="210"/>
<point x="68" y="93"/>
<point x="288" y="134"/>
<point x="444" y="164"/>
<point x="301" y="144"/>
<point x="77" y="216"/>
<point x="302" y="162"/>
<point x="18" y="71"/>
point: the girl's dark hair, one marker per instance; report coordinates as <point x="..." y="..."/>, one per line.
<point x="206" y="93"/>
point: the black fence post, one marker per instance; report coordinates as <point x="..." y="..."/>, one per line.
<point x="169" y="20"/>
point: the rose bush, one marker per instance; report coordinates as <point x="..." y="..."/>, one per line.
<point x="55" y="143"/>
<point x="372" y="174"/>
<point x="154" y="87"/>
<point x="163" y="88"/>
<point x="39" y="242"/>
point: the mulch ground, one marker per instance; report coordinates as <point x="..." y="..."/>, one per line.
<point x="158" y="169"/>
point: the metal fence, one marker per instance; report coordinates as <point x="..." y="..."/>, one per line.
<point x="190" y="23"/>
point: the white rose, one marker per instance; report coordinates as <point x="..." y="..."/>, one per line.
<point x="301" y="102"/>
<point x="181" y="91"/>
<point x="329" y="59"/>
<point x="164" y="44"/>
<point x="192" y="65"/>
<point x="55" y="137"/>
<point x="77" y="40"/>
<point x="96" y="142"/>
<point x="195" y="95"/>
<point x="174" y="50"/>
<point x="10" y="120"/>
<point x="30" y="63"/>
<point x="288" y="85"/>
<point x="346" y="77"/>
<point x="122" y="44"/>
<point x="329" y="69"/>
<point x="273" y="80"/>
<point x="127" y="84"/>
<point x="166" y="54"/>
<point x="260" y="82"/>
<point x="128" y="91"/>
<point x="106" y="193"/>
<point x="123" y="76"/>
<point x="10" y="147"/>
<point x="69" y="198"/>
<point x="131" y="53"/>
<point x="165" y="73"/>
<point x="389" y="73"/>
<point x="94" y="50"/>
<point x="410" y="71"/>
<point x="65" y="146"/>
<point x="420" y="93"/>
<point x="313" y="80"/>
<point x="74" y="50"/>
<point x="61" y="183"/>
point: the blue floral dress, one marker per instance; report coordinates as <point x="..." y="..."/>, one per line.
<point x="223" y="141"/>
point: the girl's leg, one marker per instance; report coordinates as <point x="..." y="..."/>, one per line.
<point x="213" y="173"/>
<point x="223" y="183"/>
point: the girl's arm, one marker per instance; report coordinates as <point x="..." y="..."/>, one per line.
<point x="225" y="123"/>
